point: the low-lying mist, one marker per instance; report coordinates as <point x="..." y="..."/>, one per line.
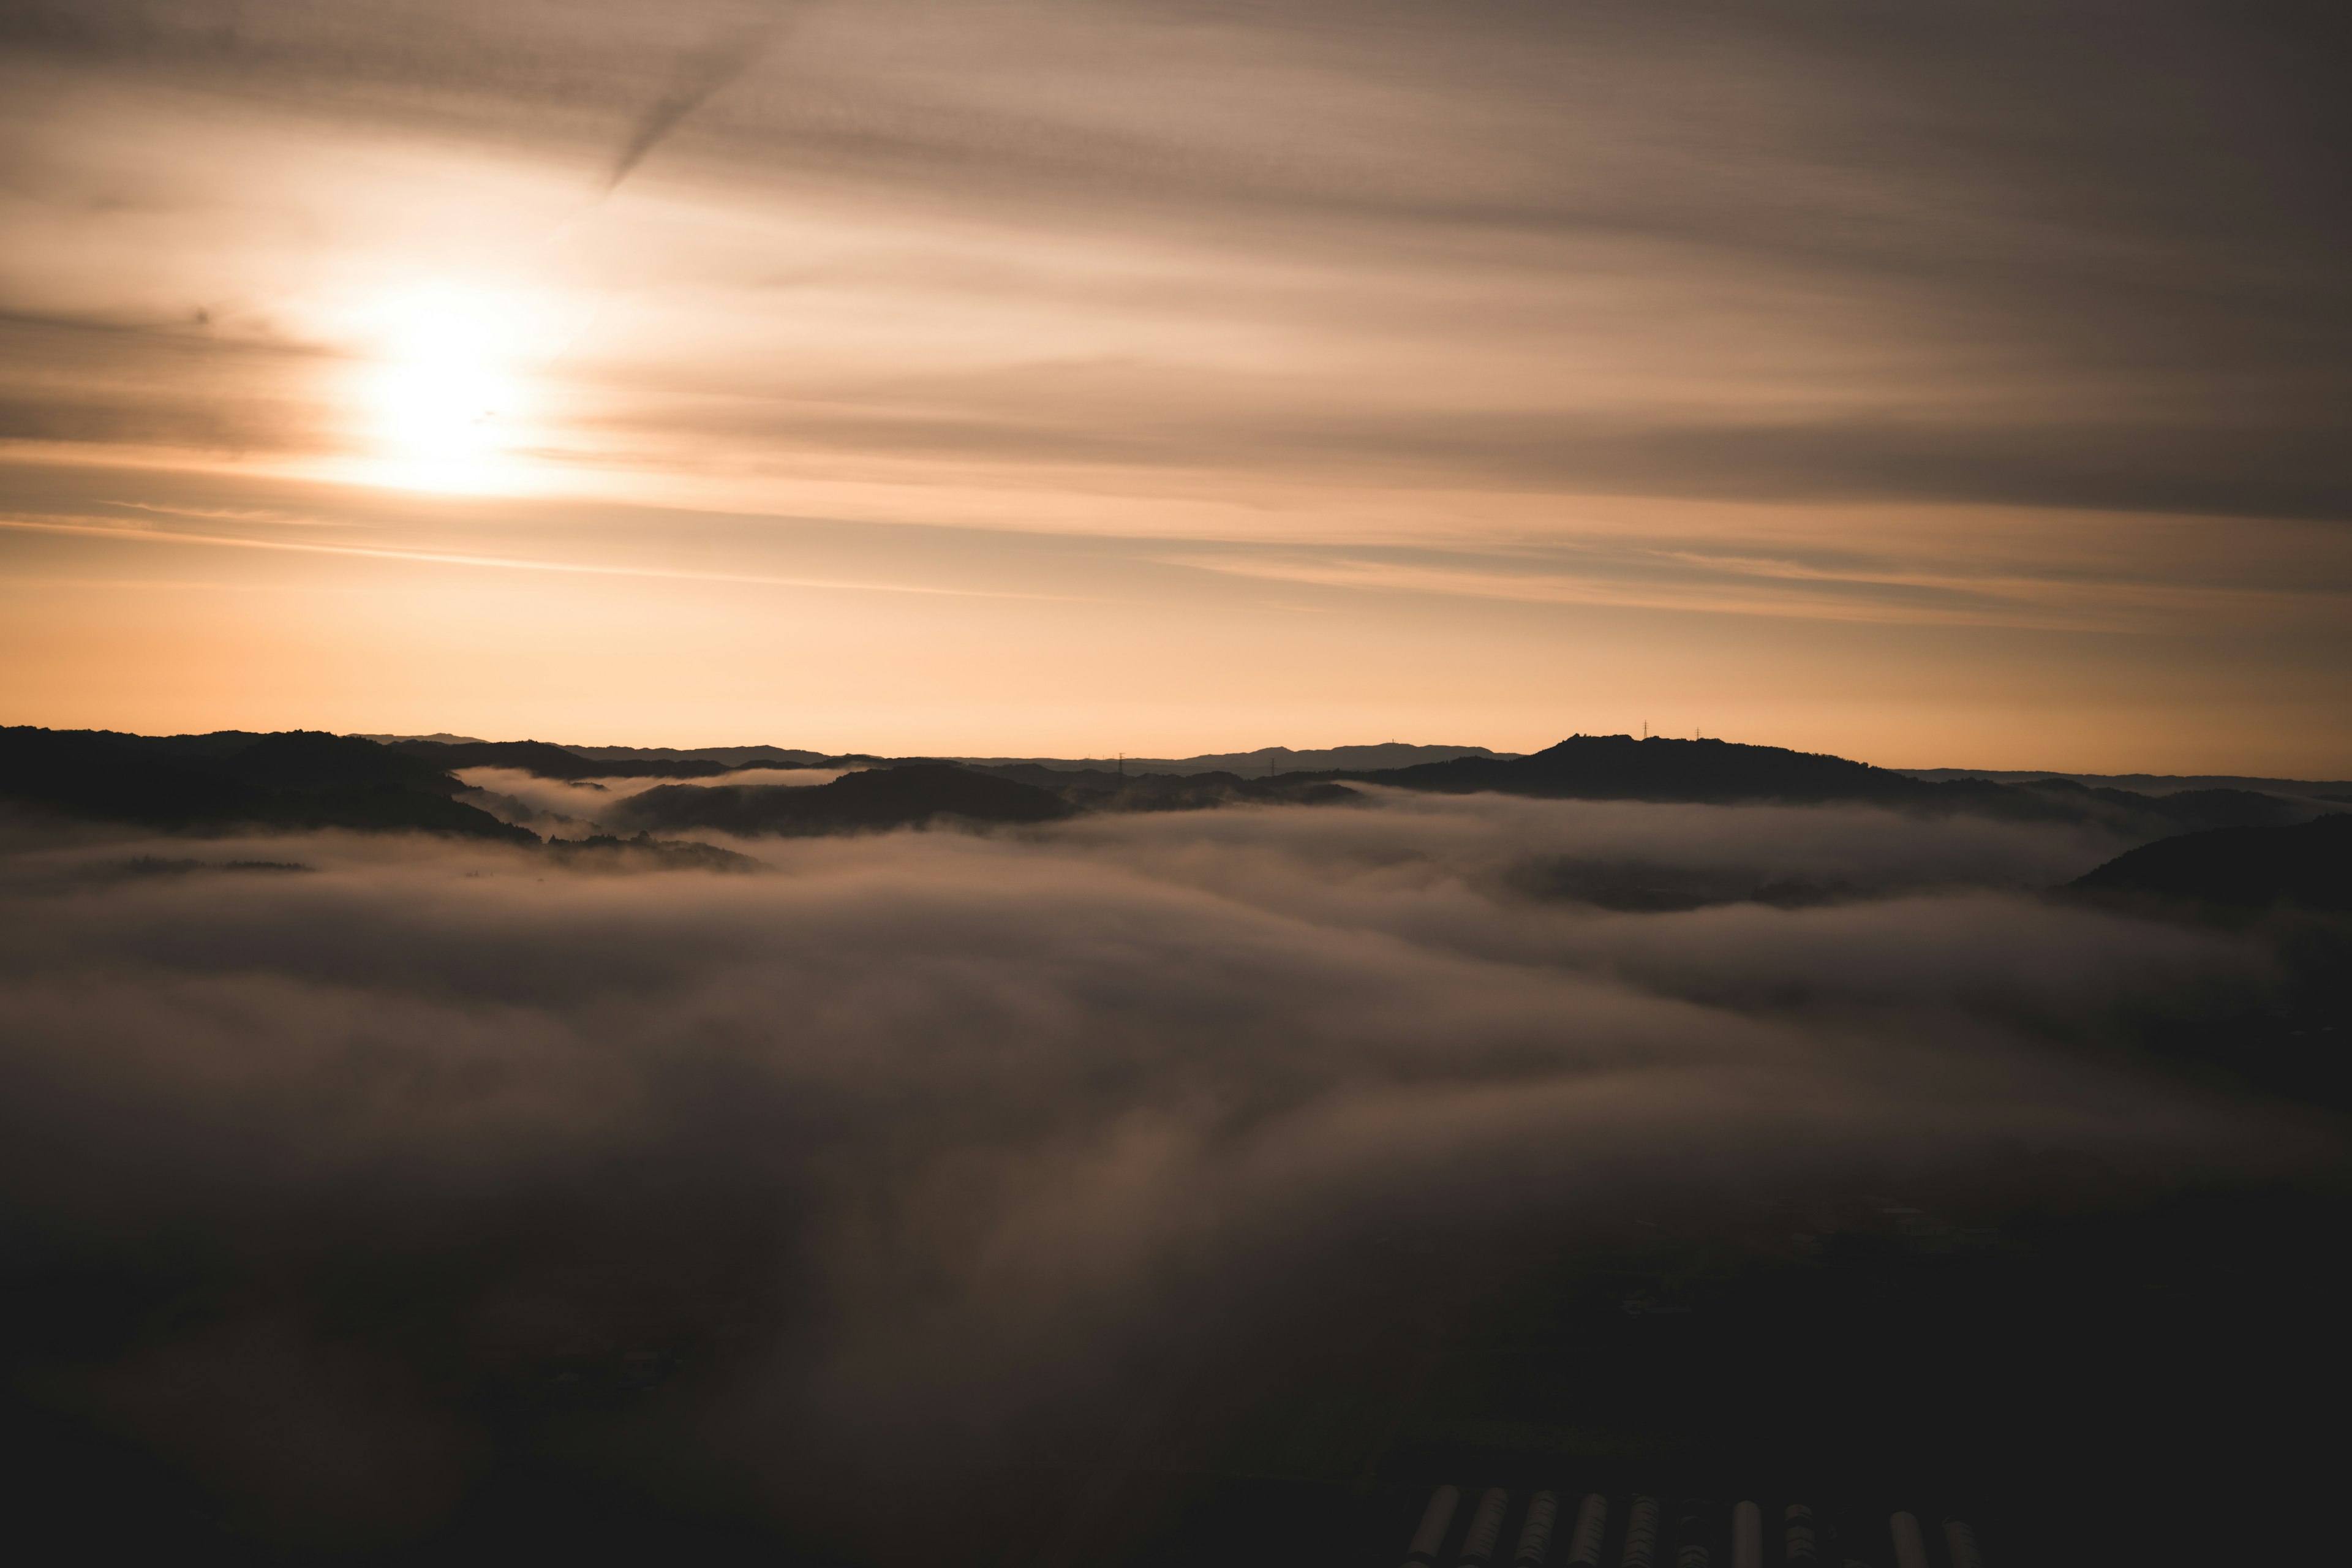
<point x="336" y="1187"/>
<point x="530" y="801"/>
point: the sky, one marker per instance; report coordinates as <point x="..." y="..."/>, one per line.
<point x="1956" y="384"/>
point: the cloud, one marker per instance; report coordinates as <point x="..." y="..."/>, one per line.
<point x="764" y="1189"/>
<point x="1818" y="254"/>
<point x="727" y="56"/>
<point x="525" y="799"/>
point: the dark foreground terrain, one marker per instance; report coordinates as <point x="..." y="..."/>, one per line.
<point x="1138" y="1183"/>
<point x="2148" y="1388"/>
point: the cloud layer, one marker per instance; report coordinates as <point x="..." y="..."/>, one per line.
<point x="1964" y="255"/>
<point x="913" y="1148"/>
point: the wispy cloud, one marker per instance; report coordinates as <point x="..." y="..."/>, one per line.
<point x="1691" y="582"/>
<point x="117" y="531"/>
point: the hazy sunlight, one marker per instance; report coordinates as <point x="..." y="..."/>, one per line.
<point x="441" y="401"/>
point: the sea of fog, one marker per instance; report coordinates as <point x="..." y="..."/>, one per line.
<point x="892" y="1156"/>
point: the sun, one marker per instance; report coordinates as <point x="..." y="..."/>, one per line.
<point x="440" y="394"/>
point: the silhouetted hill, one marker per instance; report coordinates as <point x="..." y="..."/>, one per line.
<point x="1583" y="767"/>
<point x="2141" y="783"/>
<point x="1619" y="767"/>
<point x="2182" y="811"/>
<point x="311" y="759"/>
<point x="436" y="735"/>
<point x="1101" y="789"/>
<point x="2239" y="868"/>
<point x="1267" y="762"/>
<point x="307" y="778"/>
<point x="2295" y="884"/>
<point x="730" y="757"/>
<point x="287" y="759"/>
<point x="870" y="801"/>
<point x="87" y="773"/>
<point x="295" y="779"/>
<point x="549" y="761"/>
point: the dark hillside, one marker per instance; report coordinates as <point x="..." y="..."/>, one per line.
<point x="1724" y="772"/>
<point x="2290" y="888"/>
<point x="295" y="779"/>
<point x="311" y="759"/>
<point x="548" y="761"/>
<point x="88" y="774"/>
<point x="1101" y="789"/>
<point x="2186" y="810"/>
<point x="288" y="758"/>
<point x="871" y="801"/>
<point x="1619" y="767"/>
<point x="2309" y="866"/>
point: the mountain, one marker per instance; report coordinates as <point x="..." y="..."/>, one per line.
<point x="2146" y="784"/>
<point x="868" y="801"/>
<point x="307" y="778"/>
<point x="1100" y="789"/>
<point x="1583" y="767"/>
<point x="549" y="761"/>
<point x="2309" y="866"/>
<point x="311" y="759"/>
<point x="1725" y="772"/>
<point x="2290" y="1038"/>
<point x="232" y="778"/>
<point x="436" y="735"/>
<point x="1266" y="761"/>
<point x="1619" y="767"/>
<point x="574" y="762"/>
<point x="2187" y="810"/>
<point x="732" y="756"/>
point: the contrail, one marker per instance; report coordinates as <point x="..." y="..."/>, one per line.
<point x="700" y="74"/>
<point x="719" y="61"/>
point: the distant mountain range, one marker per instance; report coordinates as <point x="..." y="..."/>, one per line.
<point x="444" y="745"/>
<point x="1266" y="761"/>
<point x="2148" y="784"/>
<point x="643" y="762"/>
<point x="681" y="762"/>
<point x="305" y="779"/>
<point x="1706" y="772"/>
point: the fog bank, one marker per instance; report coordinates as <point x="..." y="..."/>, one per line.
<point x="918" y="1146"/>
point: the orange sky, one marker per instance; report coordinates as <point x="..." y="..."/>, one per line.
<point x="1073" y="377"/>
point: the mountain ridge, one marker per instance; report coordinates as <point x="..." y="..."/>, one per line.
<point x="309" y="778"/>
<point x="289" y="779"/>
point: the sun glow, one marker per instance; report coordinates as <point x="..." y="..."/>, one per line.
<point x="442" y="399"/>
